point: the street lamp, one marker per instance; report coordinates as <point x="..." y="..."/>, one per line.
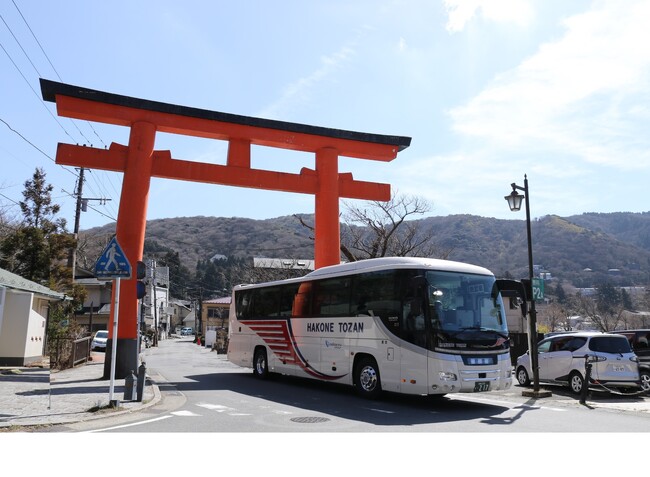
<point x="514" y="202"/>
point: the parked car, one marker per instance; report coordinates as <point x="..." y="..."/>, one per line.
<point x="562" y="361"/>
<point x="639" y="341"/>
<point x="186" y="331"/>
<point x="99" y="340"/>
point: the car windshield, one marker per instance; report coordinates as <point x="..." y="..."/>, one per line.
<point x="102" y="334"/>
<point x="610" y="344"/>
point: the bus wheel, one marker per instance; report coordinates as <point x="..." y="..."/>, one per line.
<point x="366" y="378"/>
<point x="260" y="364"/>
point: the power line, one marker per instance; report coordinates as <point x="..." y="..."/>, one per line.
<point x="34" y="91"/>
<point x="30" y="86"/>
<point x="27" y="140"/>
<point x="21" y="46"/>
<point x="55" y="71"/>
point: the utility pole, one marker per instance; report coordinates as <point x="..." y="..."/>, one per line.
<point x="72" y="257"/>
<point x="154" y="304"/>
<point x="82" y="204"/>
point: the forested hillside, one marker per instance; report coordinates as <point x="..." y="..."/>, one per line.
<point x="582" y="250"/>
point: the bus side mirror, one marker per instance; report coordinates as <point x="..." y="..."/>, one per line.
<point x="515" y="290"/>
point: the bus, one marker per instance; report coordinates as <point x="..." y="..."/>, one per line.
<point x="404" y="325"/>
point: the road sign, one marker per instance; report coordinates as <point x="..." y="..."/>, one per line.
<point x="113" y="262"/>
<point x="538" y="289"/>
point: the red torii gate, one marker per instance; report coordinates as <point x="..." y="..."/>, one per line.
<point x="140" y="162"/>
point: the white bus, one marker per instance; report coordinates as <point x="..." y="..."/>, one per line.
<point x="404" y="325"/>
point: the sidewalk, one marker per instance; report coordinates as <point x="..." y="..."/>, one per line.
<point x="34" y="396"/>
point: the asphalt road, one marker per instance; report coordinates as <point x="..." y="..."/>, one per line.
<point x="214" y="414"/>
<point x="203" y="392"/>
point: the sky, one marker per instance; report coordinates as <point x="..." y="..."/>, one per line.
<point x="489" y="91"/>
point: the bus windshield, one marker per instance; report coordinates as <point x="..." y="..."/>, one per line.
<point x="464" y="307"/>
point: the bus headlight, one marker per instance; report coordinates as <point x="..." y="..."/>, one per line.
<point x="447" y="376"/>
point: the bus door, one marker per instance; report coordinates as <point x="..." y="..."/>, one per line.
<point x="414" y="354"/>
<point x="334" y="353"/>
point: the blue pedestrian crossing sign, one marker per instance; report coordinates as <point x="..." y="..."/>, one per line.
<point x="113" y="262"/>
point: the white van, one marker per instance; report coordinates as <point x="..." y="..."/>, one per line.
<point x="562" y="361"/>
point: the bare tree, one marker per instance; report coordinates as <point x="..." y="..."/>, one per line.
<point x="379" y="229"/>
<point x="555" y="317"/>
<point x="604" y="318"/>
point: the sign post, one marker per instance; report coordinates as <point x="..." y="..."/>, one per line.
<point x="113" y="264"/>
<point x="116" y="315"/>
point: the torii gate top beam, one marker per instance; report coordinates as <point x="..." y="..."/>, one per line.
<point x="121" y="110"/>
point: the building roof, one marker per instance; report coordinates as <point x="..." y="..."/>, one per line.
<point x="218" y="301"/>
<point x="285" y="263"/>
<point x="16" y="282"/>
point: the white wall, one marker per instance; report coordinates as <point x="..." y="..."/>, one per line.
<point x="15" y="324"/>
<point x="2" y="305"/>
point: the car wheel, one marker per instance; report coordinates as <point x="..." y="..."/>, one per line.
<point x="522" y="376"/>
<point x="645" y="380"/>
<point x="576" y="382"/>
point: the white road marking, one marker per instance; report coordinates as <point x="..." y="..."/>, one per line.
<point x="185" y="414"/>
<point x="127" y="425"/>
<point x="380" y="410"/>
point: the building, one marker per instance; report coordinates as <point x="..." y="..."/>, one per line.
<point x="214" y="323"/>
<point x="180" y="309"/>
<point x="24" y="312"/>
<point x="283" y="263"/>
<point x="96" y="311"/>
<point x="214" y="314"/>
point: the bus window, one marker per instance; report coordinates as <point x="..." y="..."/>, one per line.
<point x="287" y="297"/>
<point x="378" y="294"/>
<point x="243" y="299"/>
<point x="302" y="301"/>
<point x="331" y="297"/>
<point x="265" y="302"/>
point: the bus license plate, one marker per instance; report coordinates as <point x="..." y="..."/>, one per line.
<point x="481" y="387"/>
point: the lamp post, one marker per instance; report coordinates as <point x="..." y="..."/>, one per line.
<point x="514" y="202"/>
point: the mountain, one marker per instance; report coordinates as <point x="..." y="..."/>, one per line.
<point x="567" y="250"/>
<point x="583" y="250"/>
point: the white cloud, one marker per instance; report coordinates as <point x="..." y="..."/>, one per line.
<point x="518" y="12"/>
<point x="298" y="92"/>
<point x="577" y="95"/>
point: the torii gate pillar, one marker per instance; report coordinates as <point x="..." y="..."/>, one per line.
<point x="140" y="162"/>
<point x="326" y="217"/>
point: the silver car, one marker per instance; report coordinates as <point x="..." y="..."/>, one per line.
<point x="562" y="361"/>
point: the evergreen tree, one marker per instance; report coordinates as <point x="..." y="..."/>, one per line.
<point x="179" y="275"/>
<point x="40" y="243"/>
<point x="608" y="298"/>
<point x="560" y="294"/>
<point x="626" y="300"/>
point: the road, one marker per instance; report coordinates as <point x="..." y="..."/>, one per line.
<point x="204" y="393"/>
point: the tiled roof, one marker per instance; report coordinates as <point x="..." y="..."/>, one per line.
<point x="219" y="301"/>
<point x="16" y="282"/>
